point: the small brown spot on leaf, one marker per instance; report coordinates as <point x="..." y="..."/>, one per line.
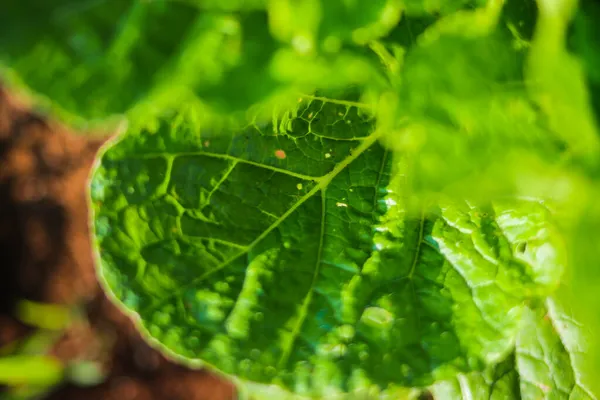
<point x="280" y="154"/>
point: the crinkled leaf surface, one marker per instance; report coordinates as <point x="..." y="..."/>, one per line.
<point x="550" y="348"/>
<point x="546" y="363"/>
<point x="498" y="382"/>
<point x="292" y="253"/>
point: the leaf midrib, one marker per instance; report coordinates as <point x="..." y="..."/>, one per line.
<point x="308" y="299"/>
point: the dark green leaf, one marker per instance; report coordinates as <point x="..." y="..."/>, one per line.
<point x="292" y="253"/>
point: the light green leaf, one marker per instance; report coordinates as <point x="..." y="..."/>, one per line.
<point x="294" y="254"/>
<point x="45" y="316"/>
<point x="466" y="23"/>
<point x="30" y="370"/>
<point x="469" y="114"/>
<point x="550" y="349"/>
<point x="311" y="25"/>
<point x="548" y="363"/>
<point x="554" y="76"/>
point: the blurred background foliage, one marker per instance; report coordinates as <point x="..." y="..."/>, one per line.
<point x="502" y="97"/>
<point x="28" y="368"/>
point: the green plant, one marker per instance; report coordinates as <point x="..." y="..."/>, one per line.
<point x="338" y="197"/>
<point x="27" y="369"/>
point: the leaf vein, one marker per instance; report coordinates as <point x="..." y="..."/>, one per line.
<point x="322" y="184"/>
<point x="229" y="158"/>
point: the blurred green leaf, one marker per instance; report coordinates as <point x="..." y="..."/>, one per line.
<point x="469" y="113"/>
<point x="85" y="373"/>
<point x="428" y="7"/>
<point x="45" y="316"/>
<point x="92" y="58"/>
<point x="311" y="24"/>
<point x="584" y="43"/>
<point x="97" y="58"/>
<point x="556" y="81"/>
<point x="30" y="370"/>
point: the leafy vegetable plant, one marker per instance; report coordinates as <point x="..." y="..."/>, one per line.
<point x="342" y="198"/>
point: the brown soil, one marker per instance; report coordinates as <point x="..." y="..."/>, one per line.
<point x="45" y="256"/>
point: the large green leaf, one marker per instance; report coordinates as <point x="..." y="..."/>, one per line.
<point x="293" y="253"/>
